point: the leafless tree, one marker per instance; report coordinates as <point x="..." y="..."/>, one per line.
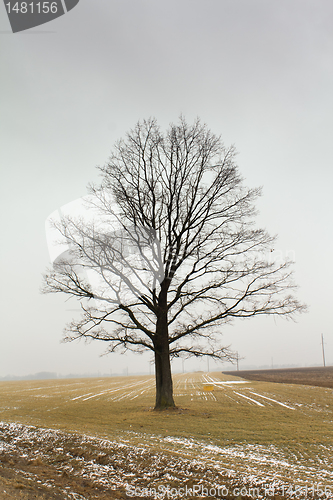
<point x="171" y="254"/>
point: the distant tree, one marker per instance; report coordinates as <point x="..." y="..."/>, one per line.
<point x="168" y="253"/>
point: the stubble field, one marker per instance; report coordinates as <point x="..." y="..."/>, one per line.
<point x="316" y="376"/>
<point x="229" y="438"/>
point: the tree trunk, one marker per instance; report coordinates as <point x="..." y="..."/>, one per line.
<point x="164" y="389"/>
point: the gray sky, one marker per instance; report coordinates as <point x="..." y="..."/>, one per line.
<point x="258" y="72"/>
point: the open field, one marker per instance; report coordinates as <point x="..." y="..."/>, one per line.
<point x="99" y="438"/>
<point x="317" y="376"/>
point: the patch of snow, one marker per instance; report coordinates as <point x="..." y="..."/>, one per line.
<point x="274" y="400"/>
<point x="246" y="397"/>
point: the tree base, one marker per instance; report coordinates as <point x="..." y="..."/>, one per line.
<point x="163" y="408"/>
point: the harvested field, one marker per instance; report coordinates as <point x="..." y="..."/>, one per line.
<point x="99" y="438"/>
<point x="317" y="376"/>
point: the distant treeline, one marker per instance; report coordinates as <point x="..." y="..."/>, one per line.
<point x="51" y="375"/>
<point x="35" y="376"/>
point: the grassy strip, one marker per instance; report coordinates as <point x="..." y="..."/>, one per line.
<point x="225" y="428"/>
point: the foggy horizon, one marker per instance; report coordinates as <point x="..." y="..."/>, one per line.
<point x="259" y="74"/>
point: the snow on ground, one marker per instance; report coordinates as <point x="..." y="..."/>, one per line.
<point x="121" y="463"/>
<point x="229" y="383"/>
<point x="250" y="399"/>
<point x="274" y="400"/>
<point x="159" y="461"/>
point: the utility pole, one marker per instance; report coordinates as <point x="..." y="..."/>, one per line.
<point x="237" y="361"/>
<point x="208" y="365"/>
<point x="323" y="349"/>
<point x="151" y="364"/>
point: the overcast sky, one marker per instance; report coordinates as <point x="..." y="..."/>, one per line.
<point x="258" y="72"/>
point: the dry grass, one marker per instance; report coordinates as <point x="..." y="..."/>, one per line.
<point x="250" y="429"/>
<point x="222" y="415"/>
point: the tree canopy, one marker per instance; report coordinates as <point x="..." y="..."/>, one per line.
<point x="164" y="251"/>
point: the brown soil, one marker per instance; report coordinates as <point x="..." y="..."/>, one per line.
<point x="46" y="464"/>
<point x="23" y="477"/>
<point x="317" y="376"/>
<point x="42" y="465"/>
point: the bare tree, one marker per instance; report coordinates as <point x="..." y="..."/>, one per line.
<point x="170" y="254"/>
